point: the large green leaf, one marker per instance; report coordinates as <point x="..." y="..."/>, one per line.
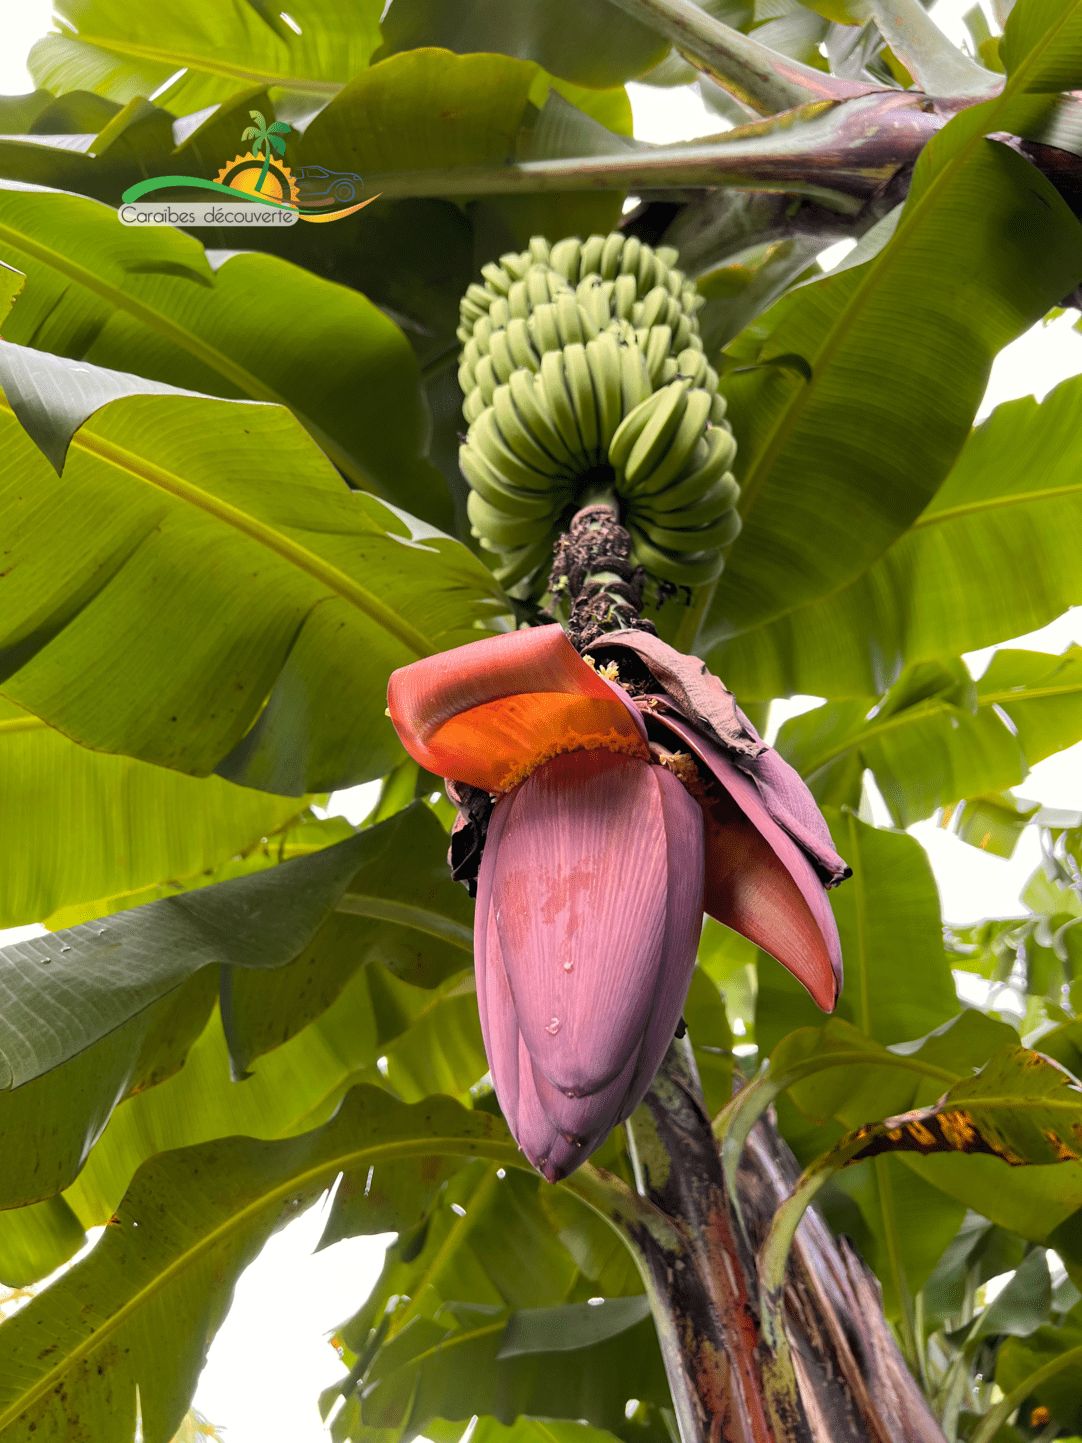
<point x="201" y="565"/>
<point x="937" y="737"/>
<point x="89" y="825"/>
<point x="93" y="1012"/>
<point x="983" y="247"/>
<point x="140" y="1310"/>
<point x="897" y="979"/>
<point x="1060" y="1391"/>
<point x="401" y="908"/>
<point x="392" y="118"/>
<point x="444" y="1324"/>
<point x="590" y="42"/>
<point x="251" y="325"/>
<point x="114" y="51"/>
<point x="1043" y="39"/>
<point x="952" y="582"/>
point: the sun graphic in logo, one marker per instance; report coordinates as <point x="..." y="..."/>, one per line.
<point x="269" y="177"/>
<point x="243" y="174"/>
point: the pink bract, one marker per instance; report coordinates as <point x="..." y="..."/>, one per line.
<point x="598" y="863"/>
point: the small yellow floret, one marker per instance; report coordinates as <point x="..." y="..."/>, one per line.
<point x="573" y="741"/>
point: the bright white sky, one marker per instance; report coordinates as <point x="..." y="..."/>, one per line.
<point x="269" y="1361"/>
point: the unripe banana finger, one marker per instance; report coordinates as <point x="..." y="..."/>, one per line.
<point x="629" y="257"/>
<point x="658" y="344"/>
<point x="678" y="452"/>
<point x="485" y="479"/>
<point x="486" y="378"/>
<point x="482" y="334"/>
<point x="634" y="378"/>
<point x="700" y="538"/>
<point x="590" y="260"/>
<point x="580" y="387"/>
<point x="721" y="495"/>
<point x="498" y="278"/>
<point x="653" y="309"/>
<point x="565" y="258"/>
<point x="516" y="264"/>
<point x="681" y="333"/>
<point x="480" y="297"/>
<point x="656" y="436"/>
<point x="692" y="364"/>
<point x="604" y="358"/>
<point x="554" y="388"/>
<point x="691" y="570"/>
<point x="495" y="526"/>
<point x="473" y="406"/>
<point x="487" y="438"/>
<point x="518" y="301"/>
<point x="520" y="564"/>
<point x="648" y="270"/>
<point x="518" y="338"/>
<point x="611" y="251"/>
<point x="569" y="320"/>
<point x="537" y="286"/>
<point x="718" y="409"/>
<point x="503" y="363"/>
<point x="709" y="479"/>
<point x="623" y="297"/>
<point x="517" y="436"/>
<point x="545" y="329"/>
<point x="540" y="250"/>
<point x="629" y="431"/>
<point x="498" y="316"/>
<point x="528" y="396"/>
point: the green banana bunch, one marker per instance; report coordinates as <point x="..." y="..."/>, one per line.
<point x="582" y="366"/>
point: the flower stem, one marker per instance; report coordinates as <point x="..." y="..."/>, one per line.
<point x="591" y="570"/>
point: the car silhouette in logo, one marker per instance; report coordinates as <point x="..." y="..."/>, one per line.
<point x="318" y="186"/>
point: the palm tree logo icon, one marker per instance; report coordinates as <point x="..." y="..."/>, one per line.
<point x="265" y="138"/>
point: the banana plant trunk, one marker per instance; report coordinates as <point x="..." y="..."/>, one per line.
<point x="848" y="1382"/>
<point x="842" y="1378"/>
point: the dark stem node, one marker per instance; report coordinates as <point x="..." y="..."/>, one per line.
<point x="592" y="575"/>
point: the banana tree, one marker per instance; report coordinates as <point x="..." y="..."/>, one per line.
<point x="480" y="505"/>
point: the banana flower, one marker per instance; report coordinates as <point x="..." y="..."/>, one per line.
<point x="621" y="814"/>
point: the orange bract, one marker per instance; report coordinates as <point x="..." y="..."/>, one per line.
<point x="492" y="712"/>
<point x="499" y="744"/>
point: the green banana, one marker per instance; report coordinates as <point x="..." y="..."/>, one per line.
<point x="497" y="277"/>
<point x="564" y="258"/>
<point x="629" y="430"/>
<point x="623" y="297"/>
<point x="658" y="344"/>
<point x="590" y="260"/>
<point x="503" y="363"/>
<point x="493" y="525"/>
<point x="498" y="316"/>
<point x="674" y="455"/>
<point x="546" y="331"/>
<point x="700" y="538"/>
<point x="485" y="436"/>
<point x="720" y="495"/>
<point x="518" y="301"/>
<point x="611" y="251"/>
<point x="709" y="468"/>
<point x="718" y="409"/>
<point x="488" y="481"/>
<point x="634" y="379"/>
<point x="693" y="569"/>
<point x="520" y="439"/>
<point x="473" y="405"/>
<point x="603" y="355"/>
<point x="527" y="394"/>
<point x="580" y="387"/>
<point x="522" y="351"/>
<point x="486" y="378"/>
<point x="630" y="256"/>
<point x="521" y="563"/>
<point x="554" y="388"/>
<point x="654" y="438"/>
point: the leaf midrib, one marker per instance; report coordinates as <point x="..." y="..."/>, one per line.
<point x="880" y="266"/>
<point x="161" y="55"/>
<point x="408" y="914"/>
<point x="928" y="709"/>
<point x="501" y="1152"/>
<point x="259" y="531"/>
